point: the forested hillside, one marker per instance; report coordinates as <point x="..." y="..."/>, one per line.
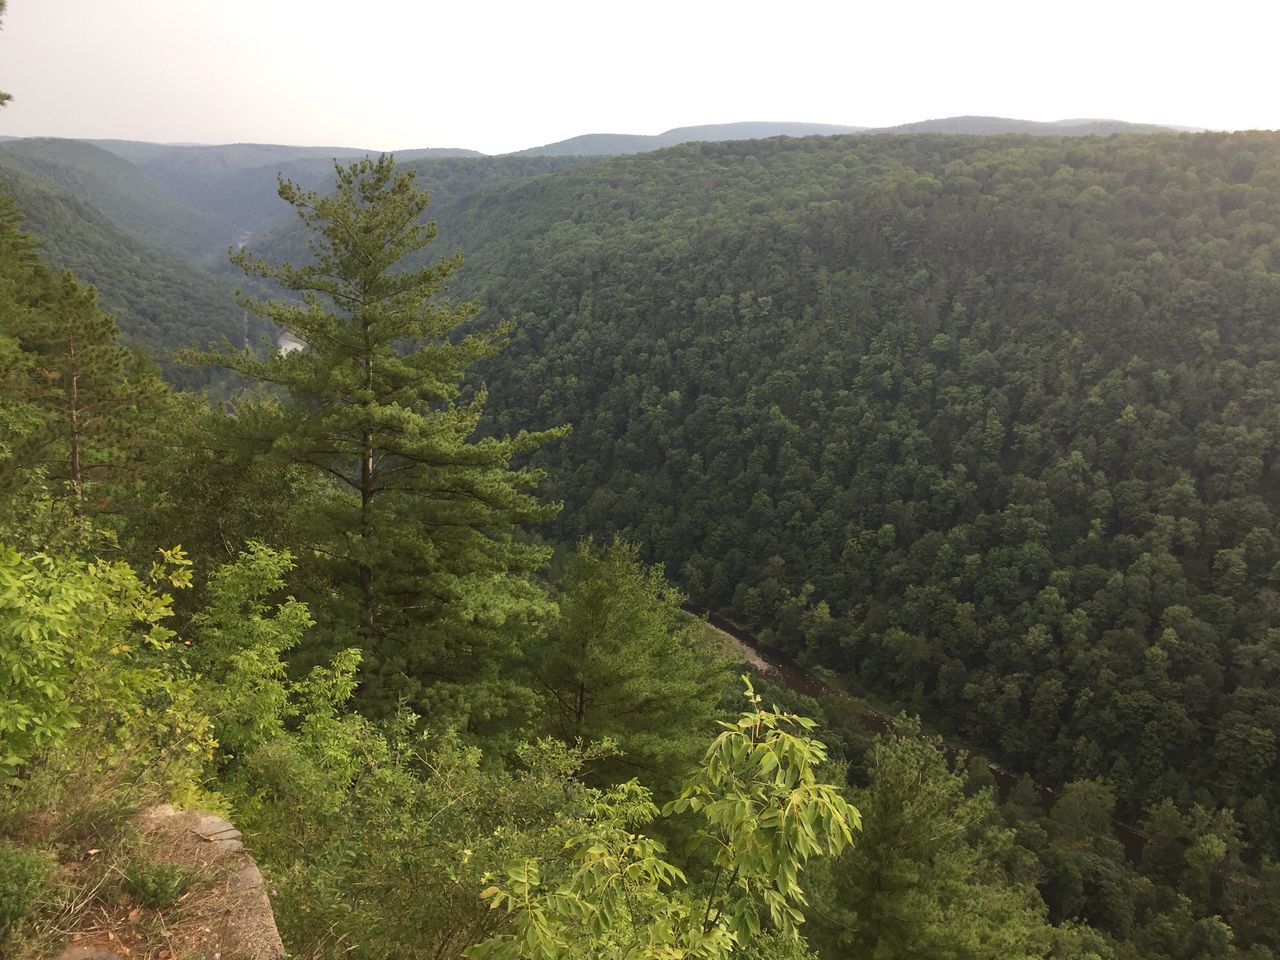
<point x="450" y="181"/>
<point x="989" y="426"/>
<point x="160" y="300"/>
<point x="125" y="195"/>
<point x="160" y="265"/>
<point x="986" y="429"/>
<point x="367" y="665"/>
<point x="237" y="182"/>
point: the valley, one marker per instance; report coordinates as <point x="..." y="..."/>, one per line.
<point x="977" y="416"/>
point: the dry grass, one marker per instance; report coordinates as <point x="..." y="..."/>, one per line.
<point x="99" y="895"/>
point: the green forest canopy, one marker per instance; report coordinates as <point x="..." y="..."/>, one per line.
<point x="989" y="426"/>
<point x="986" y="426"/>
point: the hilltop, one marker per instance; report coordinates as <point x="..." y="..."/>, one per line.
<point x="998" y="126"/>
<point x="617" y="144"/>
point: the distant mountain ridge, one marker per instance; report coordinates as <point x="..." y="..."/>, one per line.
<point x="129" y="198"/>
<point x="997" y="126"/>
<point x="615" y="144"/>
<point x="150" y="223"/>
<point x="241" y="156"/>
<point x="213" y="160"/>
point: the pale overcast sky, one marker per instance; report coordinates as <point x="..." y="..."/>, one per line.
<point x="498" y="76"/>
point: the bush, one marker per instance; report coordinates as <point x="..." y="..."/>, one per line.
<point x="156" y="884"/>
<point x="22" y="874"/>
<point x="72" y="635"/>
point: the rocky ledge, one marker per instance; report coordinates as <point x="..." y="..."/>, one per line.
<point x="225" y="914"/>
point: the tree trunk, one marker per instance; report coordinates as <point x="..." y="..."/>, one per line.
<point x="368" y="617"/>
<point x="73" y="436"/>
<point x="367" y="491"/>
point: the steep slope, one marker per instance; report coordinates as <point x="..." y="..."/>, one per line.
<point x="159" y="301"/>
<point x="450" y="182"/>
<point x="124" y="194"/>
<point x="184" y="164"/>
<point x="991" y="425"/>
<point x="100" y="217"/>
<point x="237" y="182"/>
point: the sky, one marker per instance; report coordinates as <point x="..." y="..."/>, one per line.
<point x="501" y="76"/>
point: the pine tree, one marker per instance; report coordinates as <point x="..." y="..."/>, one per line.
<point x="94" y="393"/>
<point x="624" y="662"/>
<point x="22" y="274"/>
<point x="80" y="408"/>
<point x="416" y="542"/>
<point x="928" y="876"/>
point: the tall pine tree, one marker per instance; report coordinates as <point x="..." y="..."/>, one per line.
<point x="22" y="276"/>
<point x="99" y="399"/>
<point x="416" y="544"/>
<point x="80" y="411"/>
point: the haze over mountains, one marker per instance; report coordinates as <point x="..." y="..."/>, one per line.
<point x="599" y="144"/>
<point x="232" y="186"/>
<point x="980" y="417"/>
<point x="217" y="158"/>
<point x="617" y="143"/>
<point x="150" y="223"/>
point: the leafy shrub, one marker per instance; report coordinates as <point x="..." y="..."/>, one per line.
<point x="71" y="636"/>
<point x="22" y="874"/>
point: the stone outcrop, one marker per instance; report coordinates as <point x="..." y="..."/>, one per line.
<point x="226" y="913"/>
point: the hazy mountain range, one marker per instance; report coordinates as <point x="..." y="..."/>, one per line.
<point x="613" y="144"/>
<point x="604" y="144"/>
<point x="231" y="188"/>
<point x="150" y="223"/>
<point x="222" y="158"/>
